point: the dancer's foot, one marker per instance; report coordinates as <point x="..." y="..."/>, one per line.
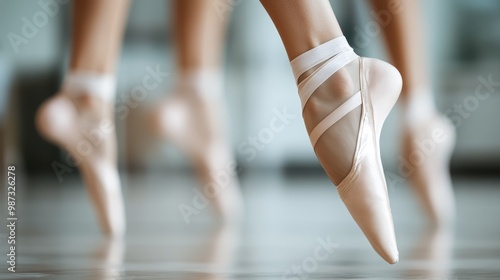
<point x="82" y="123"/>
<point x="345" y="102"/>
<point x="427" y="147"/>
<point x="192" y="119"/>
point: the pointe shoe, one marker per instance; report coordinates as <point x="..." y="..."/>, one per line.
<point x="427" y="148"/>
<point x="346" y="141"/>
<point x="193" y="122"/>
<point x="84" y="127"/>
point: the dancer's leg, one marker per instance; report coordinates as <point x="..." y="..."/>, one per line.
<point x="430" y="179"/>
<point x="97" y="34"/>
<point x="80" y="117"/>
<point x="199" y="35"/>
<point x="345" y="102"/>
<point x="193" y="116"/>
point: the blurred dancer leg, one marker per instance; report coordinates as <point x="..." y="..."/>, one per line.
<point x="80" y="117"/>
<point x="345" y="100"/>
<point x="428" y="137"/>
<point x="193" y="116"/>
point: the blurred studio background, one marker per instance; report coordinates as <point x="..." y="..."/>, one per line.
<point x="463" y="39"/>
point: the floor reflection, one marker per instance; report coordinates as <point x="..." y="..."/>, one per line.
<point x="432" y="254"/>
<point x="215" y="254"/>
<point x="108" y="259"/>
<point x="59" y="239"/>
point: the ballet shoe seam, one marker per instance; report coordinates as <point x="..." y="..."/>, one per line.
<point x="365" y="76"/>
<point x="376" y="139"/>
<point x="368" y="120"/>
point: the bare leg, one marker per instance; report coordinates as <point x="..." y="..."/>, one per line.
<point x="430" y="177"/>
<point x="97" y="34"/>
<point x="345" y="100"/>
<point x="316" y="24"/>
<point x="80" y="118"/>
<point x="199" y="35"/>
<point x="192" y="117"/>
<point x="404" y="40"/>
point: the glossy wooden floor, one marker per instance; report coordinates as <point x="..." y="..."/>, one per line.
<point x="293" y="229"/>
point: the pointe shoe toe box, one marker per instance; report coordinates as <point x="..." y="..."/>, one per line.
<point x="365" y="196"/>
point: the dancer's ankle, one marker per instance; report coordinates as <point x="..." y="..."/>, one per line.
<point x="206" y="84"/>
<point x="333" y="92"/>
<point x="90" y="92"/>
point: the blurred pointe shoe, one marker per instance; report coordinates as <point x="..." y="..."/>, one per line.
<point x="345" y="101"/>
<point x="193" y="119"/>
<point x="427" y="148"/>
<point x="80" y="119"/>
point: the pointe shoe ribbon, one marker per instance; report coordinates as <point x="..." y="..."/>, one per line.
<point x="364" y="189"/>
